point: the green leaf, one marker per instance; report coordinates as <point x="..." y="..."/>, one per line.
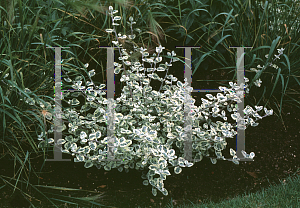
<point x="118" y="70"/>
<point x="146" y="182"/>
<point x="61" y="141"/>
<point x="153" y="167"/>
<point x="87" y="149"/>
<point x="85" y="108"/>
<point x="154" y="191"/>
<point x="232" y="152"/>
<point x="67" y="145"/>
<point x="80" y="158"/>
<point x="166" y="172"/>
<point x="42" y="144"/>
<point x="76" y="94"/>
<point x="74" y="101"/>
<point x="164" y="191"/>
<point x="177" y="170"/>
<point x="213" y="160"/>
<point x="198" y="157"/>
<point x="69" y="138"/>
<point x="88" y="164"/>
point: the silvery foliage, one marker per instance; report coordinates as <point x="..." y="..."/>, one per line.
<point x="140" y="142"/>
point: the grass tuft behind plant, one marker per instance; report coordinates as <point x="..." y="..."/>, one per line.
<point x="27" y="66"/>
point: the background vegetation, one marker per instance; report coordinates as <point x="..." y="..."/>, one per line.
<point x="27" y="66"/>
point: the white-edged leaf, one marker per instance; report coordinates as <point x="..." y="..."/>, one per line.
<point x="188" y="164"/>
<point x="154" y="191"/>
<point x="61" y="141"/>
<point x="166" y="172"/>
<point x="232" y="152"/>
<point x="177" y="170"/>
<point x="146" y="182"/>
<point x="88" y="164"/>
<point x="213" y="160"/>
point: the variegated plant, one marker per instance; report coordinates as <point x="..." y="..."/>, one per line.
<point x="147" y="123"/>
